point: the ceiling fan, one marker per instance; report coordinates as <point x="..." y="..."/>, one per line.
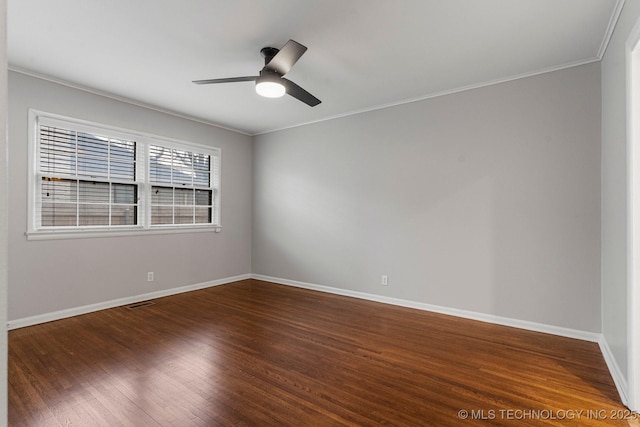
<point x="271" y="82"/>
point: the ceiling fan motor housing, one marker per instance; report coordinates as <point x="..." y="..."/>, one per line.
<point x="268" y="53"/>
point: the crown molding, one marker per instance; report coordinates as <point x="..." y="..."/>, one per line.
<point x="613" y="22"/>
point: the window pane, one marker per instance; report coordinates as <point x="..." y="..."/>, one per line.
<point x="93" y="145"/>
<point x="94" y="192"/>
<point x="93" y="214"/>
<point x="58" y="214"/>
<point x="160" y="174"/>
<point x="203" y="215"/>
<point x="62" y="190"/>
<point x="124" y="193"/>
<point x="162" y="196"/>
<point x="159" y="164"/>
<point x="123" y="150"/>
<point x="122" y="170"/>
<point x="182" y="159"/>
<point x="161" y="215"/>
<point x="181" y="176"/>
<point x="92" y="166"/>
<point x="57" y="150"/>
<point x="93" y="153"/>
<point x="201" y="162"/>
<point x="183" y="196"/>
<point x="203" y="197"/>
<point x="124" y="215"/>
<point x="183" y="215"/>
<point x="201" y="179"/>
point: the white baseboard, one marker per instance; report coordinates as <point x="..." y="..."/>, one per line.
<point x="76" y="311"/>
<point x="489" y="318"/>
<point x="619" y="380"/>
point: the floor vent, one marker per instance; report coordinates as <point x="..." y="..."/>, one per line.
<point x="140" y="305"/>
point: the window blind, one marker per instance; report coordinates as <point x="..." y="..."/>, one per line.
<point x="181" y="186"/>
<point x="86" y="179"/>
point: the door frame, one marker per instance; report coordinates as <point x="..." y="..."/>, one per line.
<point x="632" y="51"/>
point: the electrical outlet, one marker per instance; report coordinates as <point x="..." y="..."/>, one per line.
<point x="384" y="280"/>
<point x="150" y="276"/>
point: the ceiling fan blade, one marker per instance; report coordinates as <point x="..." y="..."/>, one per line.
<point x="288" y="55"/>
<point x="300" y="94"/>
<point x="227" y="80"/>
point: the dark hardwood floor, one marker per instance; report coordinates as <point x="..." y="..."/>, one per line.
<point x="253" y="353"/>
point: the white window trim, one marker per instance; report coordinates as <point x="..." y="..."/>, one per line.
<point x="144" y="139"/>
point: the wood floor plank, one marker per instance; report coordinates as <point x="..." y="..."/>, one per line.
<point x="253" y="353"/>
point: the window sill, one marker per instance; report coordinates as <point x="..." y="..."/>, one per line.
<point x="94" y="233"/>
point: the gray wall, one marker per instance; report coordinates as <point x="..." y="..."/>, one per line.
<point x="487" y="200"/>
<point x="47" y="276"/>
<point x="614" y="188"/>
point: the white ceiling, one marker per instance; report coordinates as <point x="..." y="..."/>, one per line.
<point x="363" y="54"/>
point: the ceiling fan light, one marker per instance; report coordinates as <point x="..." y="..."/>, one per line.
<point x="270" y="89"/>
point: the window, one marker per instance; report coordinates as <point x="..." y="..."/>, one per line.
<point x="85" y="179"/>
<point x="88" y="178"/>
<point x="181" y="186"/>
